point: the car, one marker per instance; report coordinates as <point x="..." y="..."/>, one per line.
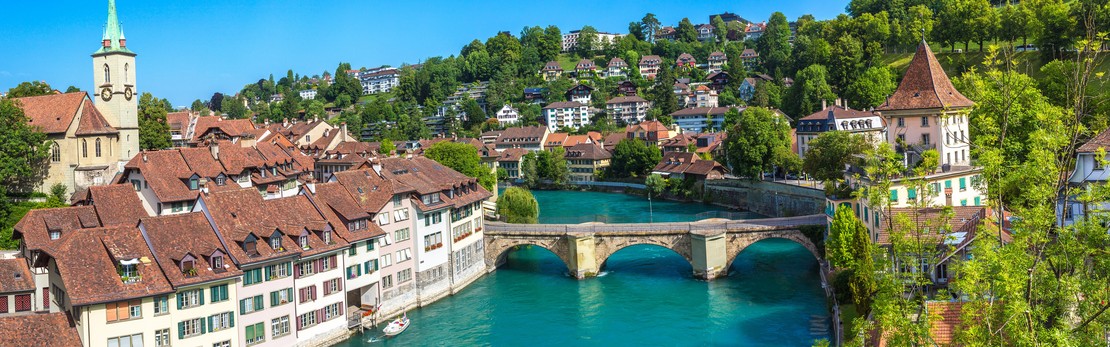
<point x="1025" y="48"/>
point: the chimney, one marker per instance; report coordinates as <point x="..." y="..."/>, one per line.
<point x="215" y="148"/>
<point x="144" y="157"/>
<point x="203" y="184"/>
<point x="344" y="135"/>
<point x="377" y="165"/>
<point x="285" y="122"/>
<point x="824" y="104"/>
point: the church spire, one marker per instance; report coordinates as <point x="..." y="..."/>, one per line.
<point x="113" y="39"/>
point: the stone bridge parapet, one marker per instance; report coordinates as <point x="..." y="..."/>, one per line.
<point x="709" y="245"/>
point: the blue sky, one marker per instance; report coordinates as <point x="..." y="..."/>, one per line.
<point x="191" y="49"/>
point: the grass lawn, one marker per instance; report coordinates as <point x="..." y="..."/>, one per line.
<point x="568" y="61"/>
<point x="955" y="63"/>
<point x="847" y="315"/>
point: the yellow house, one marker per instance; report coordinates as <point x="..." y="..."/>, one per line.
<point x="585" y="159"/>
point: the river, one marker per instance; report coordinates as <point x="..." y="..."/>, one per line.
<point x="645" y="296"/>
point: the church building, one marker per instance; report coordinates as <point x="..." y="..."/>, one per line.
<point x="92" y="137"/>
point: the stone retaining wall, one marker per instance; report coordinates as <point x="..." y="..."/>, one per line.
<point x="767" y="198"/>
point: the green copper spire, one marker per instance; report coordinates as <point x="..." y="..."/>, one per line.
<point x="113" y="40"/>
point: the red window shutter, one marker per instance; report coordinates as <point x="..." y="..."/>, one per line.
<point x="296" y="271"/>
<point x="46" y="298"/>
<point x="333" y="260"/>
<point x="320" y="315"/>
<point x="3" y="304"/>
<point x="313" y="288"/>
<point x="326" y="289"/>
<point x="318" y="264"/>
<point x="300" y="323"/>
<point x="110" y="308"/>
<point x="338" y="285"/>
<point x="304" y="295"/>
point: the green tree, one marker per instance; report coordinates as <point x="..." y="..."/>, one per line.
<point x="587" y="42"/>
<point x="871" y="88"/>
<point x="663" y="98"/>
<point x="633" y="158"/>
<point x="529" y="170"/>
<point x="463" y="158"/>
<point x="685" y="32"/>
<point x="774" y="45"/>
<point x="845" y="63"/>
<point x="72" y="89"/>
<point x="199" y="107"/>
<point x="830" y="153"/>
<point x="810" y="88"/>
<point x="154" y="133"/>
<point x="33" y="88"/>
<point x="315" y="109"/>
<point x="387" y="147"/>
<point x="24" y="152"/>
<point x="235" y="109"/>
<point x="517" y="205"/>
<point x="719" y="29"/>
<point x="651" y="26"/>
<point x="656" y="184"/>
<point x="751" y="142"/>
<point x="842" y="232"/>
<point x="558" y="171"/>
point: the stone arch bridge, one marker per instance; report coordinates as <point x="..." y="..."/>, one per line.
<point x="709" y="245"/>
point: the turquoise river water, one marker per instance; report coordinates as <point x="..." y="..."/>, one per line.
<point x="645" y="295"/>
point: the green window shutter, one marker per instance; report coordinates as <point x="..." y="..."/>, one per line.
<point x="948" y="184"/>
<point x="204" y="325"/>
<point x="268" y="273"/>
<point x="978" y="202"/>
<point x="894" y="195"/>
<point x="200" y="293"/>
<point x="258" y="304"/>
<point x="180" y="330"/>
<point x="273" y="299"/>
<point x="963" y="202"/>
<point x="963" y="183"/>
<point x="911" y="193"/>
<point x="243" y="306"/>
<point x="180" y="301"/>
<point x="223" y="292"/>
<point x="250" y="332"/>
<point x="230" y="320"/>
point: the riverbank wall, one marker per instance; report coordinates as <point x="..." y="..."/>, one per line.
<point x="772" y="199"/>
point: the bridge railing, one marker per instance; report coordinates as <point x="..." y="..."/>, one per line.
<point x="677" y="227"/>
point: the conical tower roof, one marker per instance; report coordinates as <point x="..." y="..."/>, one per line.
<point x="113" y="40"/>
<point x="925" y="86"/>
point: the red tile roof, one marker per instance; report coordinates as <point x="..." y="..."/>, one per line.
<point x="117" y="204"/>
<point x="625" y="99"/>
<point x="368" y="189"/>
<point x="39" y="330"/>
<point x="238" y="213"/>
<point x="179" y="121"/>
<point x="925" y="85"/>
<point x="92" y="122"/>
<point x="962" y="218"/>
<point x="166" y="172"/>
<point x="588" y="151"/>
<point x="174" y="237"/>
<point x="944" y="321"/>
<point x="687" y="163"/>
<point x="1102" y="140"/>
<point x="428" y="176"/>
<point x="512" y="154"/>
<point x="15" y="276"/>
<point x="35" y="226"/>
<point x="87" y="264"/>
<point x="52" y="113"/>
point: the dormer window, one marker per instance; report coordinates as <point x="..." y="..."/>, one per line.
<point x="273" y="170"/>
<point x="327" y="237"/>
<point x="275" y="241"/>
<point x="218" y="262"/>
<point x="55" y="234"/>
<point x="188" y="266"/>
<point x="129" y="271"/>
<point x="194" y="183"/>
<point x="250" y="245"/>
<point x="303" y="241"/>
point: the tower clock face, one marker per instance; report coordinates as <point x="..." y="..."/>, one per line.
<point x="128" y="93"/>
<point x="106" y="93"/>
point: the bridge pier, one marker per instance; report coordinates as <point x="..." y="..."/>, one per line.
<point x="583" y="263"/>
<point x="708" y="251"/>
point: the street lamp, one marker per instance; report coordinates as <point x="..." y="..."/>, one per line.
<point x="651" y="217"/>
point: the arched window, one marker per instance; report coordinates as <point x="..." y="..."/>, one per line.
<point x="98" y="148"/>
<point x="55" y="153"/>
<point x="84" y="148"/>
<point x="107" y="74"/>
<point x="126" y="70"/>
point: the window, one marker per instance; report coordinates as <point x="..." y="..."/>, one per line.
<point x="305" y="269"/>
<point x="307" y="294"/>
<point x="161" y="305"/>
<point x="190" y="298"/>
<point x="396" y="201"/>
<point x="278" y="271"/>
<point x="383" y="218"/>
<point x="402" y="235"/>
<point x="352" y="251"/>
<point x="128" y="341"/>
<point x="303" y="241"/>
<point x="400" y="214"/>
<point x="327" y="237"/>
<point x="84" y="148"/>
<point x="902" y="138"/>
<point x="372" y="265"/>
<point x="194" y="184"/>
<point x="222" y="344"/>
<point x="328" y="263"/>
<point x="925" y="138"/>
<point x="137" y="184"/>
<point x="331" y="286"/>
<point x="963" y="184"/>
<point x="354" y="271"/>
<point x="252" y="276"/>
<point x="387" y="282"/>
<point x="306" y="320"/>
<point x="275" y="241"/>
<point x="901" y="122"/>
<point x="979" y="201"/>
<point x="386" y="260"/>
<point x="404" y="276"/>
<point x="251" y="304"/>
<point x="332" y="311"/>
<point x="357" y="225"/>
<point x="404" y="255"/>
<point x="218" y="262"/>
<point x="162" y="338"/>
<point x="369" y="245"/>
<point x="219" y="293"/>
<point x="107" y="74"/>
<point x="942" y="271"/>
<point x="911" y="193"/>
<point x="963" y="202"/>
<point x="948" y="184"/>
<point x="433" y="241"/>
<point x="925" y="121"/>
<point x="221" y="180"/>
<point x="255" y="333"/>
<point x="55" y="153"/>
<point x="190" y="327"/>
<point x="98" y="148"/>
<point x="281" y="297"/>
<point x="124" y="310"/>
<point x="221" y="321"/>
<point x="279" y="326"/>
<point x="894" y="195"/>
<point x="22" y="303"/>
<point x="55" y="234"/>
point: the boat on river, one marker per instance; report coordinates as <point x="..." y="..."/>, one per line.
<point x="397" y="326"/>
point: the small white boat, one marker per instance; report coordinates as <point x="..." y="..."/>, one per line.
<point x="397" y="326"/>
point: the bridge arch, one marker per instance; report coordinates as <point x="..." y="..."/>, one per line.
<point x="607" y="246"/>
<point x="498" y="248"/>
<point x="737" y="243"/>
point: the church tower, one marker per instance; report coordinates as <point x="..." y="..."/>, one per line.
<point x="114" y="85"/>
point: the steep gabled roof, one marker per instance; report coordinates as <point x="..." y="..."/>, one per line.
<point x="166" y="172"/>
<point x="925" y="85"/>
<point x="15" y="276"/>
<point x="35" y="226"/>
<point x="39" y="330"/>
<point x="52" y="113"/>
<point x="117" y="204"/>
<point x="92" y="122"/>
<point x="87" y="265"/>
<point x="173" y="237"/>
